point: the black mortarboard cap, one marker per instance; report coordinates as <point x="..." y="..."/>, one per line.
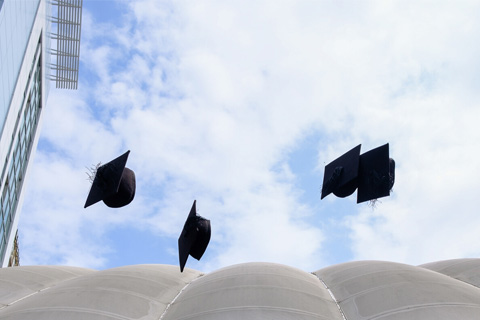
<point x="194" y="238"/>
<point x="113" y="183"/>
<point x="341" y="174"/>
<point x="376" y="174"/>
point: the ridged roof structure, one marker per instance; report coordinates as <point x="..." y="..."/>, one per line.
<point x="355" y="290"/>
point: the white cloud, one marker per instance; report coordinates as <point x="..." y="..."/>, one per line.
<point x="211" y="96"/>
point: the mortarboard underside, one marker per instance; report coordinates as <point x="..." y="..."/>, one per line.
<point x="194" y="238"/>
<point x="113" y="183"/>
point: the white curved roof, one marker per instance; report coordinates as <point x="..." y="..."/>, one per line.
<point x="20" y="282"/>
<point x="255" y="291"/>
<point x="467" y="270"/>
<point x="355" y="290"/>
<point x="386" y="290"/>
<point x="132" y="292"/>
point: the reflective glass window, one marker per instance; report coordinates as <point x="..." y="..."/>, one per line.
<point x="16" y="22"/>
<point x="18" y="153"/>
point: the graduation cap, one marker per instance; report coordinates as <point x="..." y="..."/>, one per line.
<point x="194" y="238"/>
<point x="372" y="173"/>
<point x="341" y="174"/>
<point x="376" y="174"/>
<point x="113" y="183"/>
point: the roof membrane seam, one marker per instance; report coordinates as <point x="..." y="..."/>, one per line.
<point x="67" y="290"/>
<point x="70" y="309"/>
<point x="25" y="297"/>
<point x="211" y="277"/>
<point x="333" y="297"/>
<point x="242" y="308"/>
<point x="113" y="276"/>
<point x="464" y="281"/>
<point x="424" y="306"/>
<point x="377" y="272"/>
<point x="276" y="288"/>
<point x="447" y="264"/>
<point x="60" y="281"/>
<point x="459" y="284"/>
<point x="455" y="275"/>
<point x="178" y="294"/>
<point x="37" y="274"/>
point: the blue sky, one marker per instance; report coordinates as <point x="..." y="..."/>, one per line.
<point x="240" y="105"/>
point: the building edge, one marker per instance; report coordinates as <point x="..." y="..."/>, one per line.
<point x="9" y="138"/>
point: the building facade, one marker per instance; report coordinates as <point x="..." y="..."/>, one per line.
<point x="30" y="56"/>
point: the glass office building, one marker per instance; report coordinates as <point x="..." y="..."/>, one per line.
<point x="27" y="45"/>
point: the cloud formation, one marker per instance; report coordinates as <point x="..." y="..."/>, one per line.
<point x="212" y="98"/>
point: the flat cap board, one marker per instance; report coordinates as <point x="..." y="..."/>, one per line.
<point x="374" y="174"/>
<point x="194" y="238"/>
<point x="341" y="174"/>
<point x="107" y="180"/>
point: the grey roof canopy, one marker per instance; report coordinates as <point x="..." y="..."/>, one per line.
<point x="386" y="290"/>
<point x="355" y="290"/>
